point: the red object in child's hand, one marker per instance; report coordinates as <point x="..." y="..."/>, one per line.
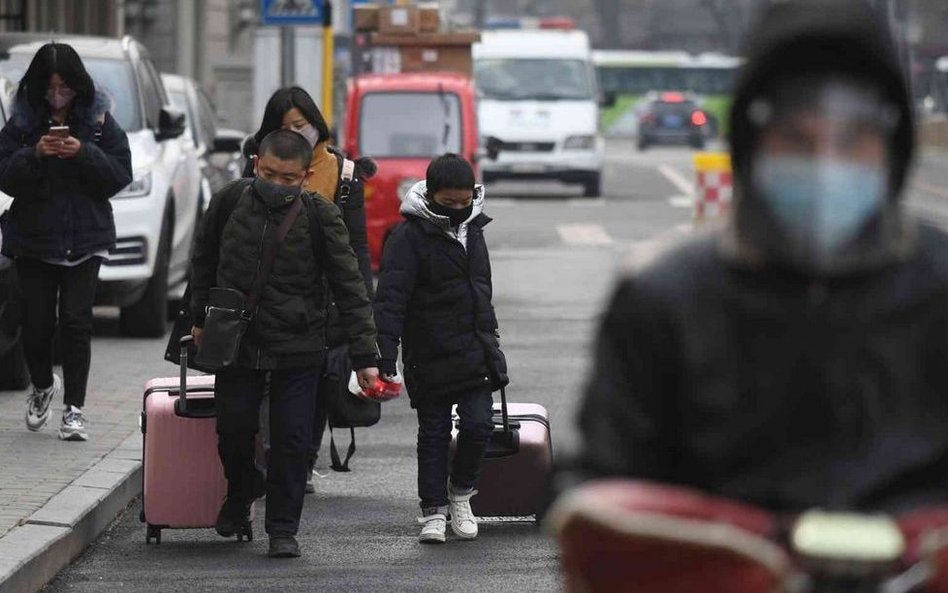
<point x="384" y="391"/>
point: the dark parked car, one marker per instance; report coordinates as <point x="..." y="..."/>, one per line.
<point x="672" y="118"/>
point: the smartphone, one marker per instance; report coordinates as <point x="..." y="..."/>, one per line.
<point x="59" y="131"/>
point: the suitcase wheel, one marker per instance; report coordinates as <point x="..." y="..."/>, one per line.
<point x="153" y="532"/>
<point x="247" y="532"/>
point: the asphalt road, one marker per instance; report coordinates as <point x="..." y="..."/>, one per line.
<point x="555" y="258"/>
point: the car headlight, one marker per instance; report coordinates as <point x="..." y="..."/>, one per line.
<point x="405" y="185"/>
<point x="580" y="143"/>
<point x="138" y="188"/>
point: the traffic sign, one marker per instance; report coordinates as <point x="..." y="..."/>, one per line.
<point x="291" y="12"/>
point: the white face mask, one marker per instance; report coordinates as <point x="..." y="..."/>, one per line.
<point x="60" y="99"/>
<point x="310" y="133"/>
<point x="821" y="204"/>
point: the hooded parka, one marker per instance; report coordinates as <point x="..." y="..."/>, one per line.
<point x="728" y="367"/>
<point x="434" y="295"/>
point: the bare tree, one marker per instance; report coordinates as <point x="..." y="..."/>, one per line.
<point x="609" y="11"/>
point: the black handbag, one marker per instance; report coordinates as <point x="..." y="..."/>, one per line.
<point x="229" y="314"/>
<point x="345" y="409"/>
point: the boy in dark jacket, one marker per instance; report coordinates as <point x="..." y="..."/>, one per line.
<point x="434" y="294"/>
<point x="284" y="347"/>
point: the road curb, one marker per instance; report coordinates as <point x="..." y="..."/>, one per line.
<point x="32" y="554"/>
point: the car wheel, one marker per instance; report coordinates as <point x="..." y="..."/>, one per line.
<point x="593" y="186"/>
<point x="643" y="144"/>
<point x="14" y="375"/>
<point x="148" y="318"/>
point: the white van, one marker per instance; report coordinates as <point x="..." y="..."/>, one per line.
<point x="537" y="93"/>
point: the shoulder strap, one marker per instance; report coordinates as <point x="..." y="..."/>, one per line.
<point x="229" y="203"/>
<point x="337" y="464"/>
<point x="346" y="176"/>
<point x="268" y="256"/>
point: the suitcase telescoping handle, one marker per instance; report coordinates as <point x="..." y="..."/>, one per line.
<point x="503" y="410"/>
<point x="183" y="396"/>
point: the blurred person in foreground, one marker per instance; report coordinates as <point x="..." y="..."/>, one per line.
<point x="797" y="357"/>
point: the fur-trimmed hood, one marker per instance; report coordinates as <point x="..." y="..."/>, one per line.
<point x="26" y="117"/>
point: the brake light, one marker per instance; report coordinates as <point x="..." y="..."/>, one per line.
<point x="561" y="23"/>
<point x="698" y="118"/>
<point x="648" y="118"/>
<point x="673" y="98"/>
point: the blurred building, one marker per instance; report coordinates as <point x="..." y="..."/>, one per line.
<point x="208" y="40"/>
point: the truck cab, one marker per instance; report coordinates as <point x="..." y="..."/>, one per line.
<point x="403" y="121"/>
<point x="538" y="93"/>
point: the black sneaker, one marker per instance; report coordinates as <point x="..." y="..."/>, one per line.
<point x="233" y="518"/>
<point x="284" y="546"/>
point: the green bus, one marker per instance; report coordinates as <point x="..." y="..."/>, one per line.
<point x="630" y="75"/>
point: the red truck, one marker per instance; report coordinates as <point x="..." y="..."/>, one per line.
<point x="403" y="121"/>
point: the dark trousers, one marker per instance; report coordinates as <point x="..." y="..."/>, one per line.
<point x="44" y="289"/>
<point x="434" y="441"/>
<point x="238" y="396"/>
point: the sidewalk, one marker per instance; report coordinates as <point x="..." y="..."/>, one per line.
<point x="40" y="532"/>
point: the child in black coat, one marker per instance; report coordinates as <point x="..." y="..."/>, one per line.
<point x="434" y="295"/>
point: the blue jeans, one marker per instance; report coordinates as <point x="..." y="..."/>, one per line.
<point x="434" y="441"/>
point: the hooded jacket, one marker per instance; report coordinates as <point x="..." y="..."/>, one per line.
<point x="724" y="367"/>
<point x="434" y="295"/>
<point x="61" y="207"/>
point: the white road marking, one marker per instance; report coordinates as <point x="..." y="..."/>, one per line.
<point x="584" y="234"/>
<point x="677" y="179"/>
<point x="682" y="201"/>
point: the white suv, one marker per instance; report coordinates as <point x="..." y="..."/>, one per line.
<point x="156" y="216"/>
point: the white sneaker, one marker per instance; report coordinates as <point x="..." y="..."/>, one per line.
<point x="37" y="411"/>
<point x="433" y="530"/>
<point x="74" y="425"/>
<point x="463" y="521"/>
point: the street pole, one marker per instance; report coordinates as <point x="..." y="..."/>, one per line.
<point x="329" y="48"/>
<point x="287" y="56"/>
<point x="480" y="13"/>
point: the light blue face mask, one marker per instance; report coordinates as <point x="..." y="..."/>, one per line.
<point x="821" y="204"/>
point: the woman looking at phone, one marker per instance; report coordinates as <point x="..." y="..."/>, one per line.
<point x="62" y="156"/>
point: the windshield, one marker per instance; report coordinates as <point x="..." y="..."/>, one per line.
<point x="115" y="76"/>
<point x="536" y="79"/>
<point x="410" y="125"/>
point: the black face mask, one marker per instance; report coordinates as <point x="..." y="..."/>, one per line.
<point x="274" y="192"/>
<point x="456" y="215"/>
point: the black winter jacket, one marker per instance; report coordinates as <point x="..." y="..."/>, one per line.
<point x="772" y="388"/>
<point x="61" y="207"/>
<point x="289" y="330"/>
<point x="435" y="296"/>
<point x="732" y="366"/>
<point x="352" y="208"/>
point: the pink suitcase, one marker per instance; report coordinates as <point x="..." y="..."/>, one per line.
<point x="184" y="484"/>
<point x="516" y="468"/>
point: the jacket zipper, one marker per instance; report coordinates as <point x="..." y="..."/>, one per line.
<point x="263" y="238"/>
<point x="470" y="285"/>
